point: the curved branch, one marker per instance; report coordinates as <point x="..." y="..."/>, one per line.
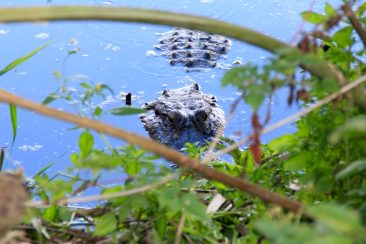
<point x="82" y="13"/>
<point x="155" y="147"/>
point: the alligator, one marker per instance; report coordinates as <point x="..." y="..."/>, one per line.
<point x="193" y="49"/>
<point x="183" y="115"/>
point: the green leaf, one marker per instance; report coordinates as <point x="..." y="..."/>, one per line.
<point x="50" y="213"/>
<point x="21" y="60"/>
<point x="96" y="161"/>
<point x="86" y="143"/>
<point x="330" y="11"/>
<point x="283" y="143"/>
<point x="298" y="162"/>
<point x="343" y="37"/>
<point x="14" y="122"/>
<point x="98" y="111"/>
<point x="127" y="111"/>
<point x="255" y="97"/>
<point x="50" y="98"/>
<point x="239" y="77"/>
<point x="106" y="87"/>
<point x="336" y="218"/>
<point x="85" y="85"/>
<point x="354" y="126"/>
<point x="352" y="169"/>
<point x="361" y="9"/>
<point x="313" y="18"/>
<point x="105" y="225"/>
<point x="194" y="207"/>
<point x="161" y="226"/>
<point x="44" y="169"/>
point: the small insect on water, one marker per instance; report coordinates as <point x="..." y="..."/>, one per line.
<point x="128" y="99"/>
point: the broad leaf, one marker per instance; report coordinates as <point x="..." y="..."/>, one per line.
<point x="105" y="225"/>
<point x="86" y="143"/>
<point x="343" y="37"/>
<point x="313" y="17"/>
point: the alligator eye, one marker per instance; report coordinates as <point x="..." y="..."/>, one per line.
<point x="170" y="120"/>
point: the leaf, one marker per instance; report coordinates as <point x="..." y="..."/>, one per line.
<point x="50" y="98"/>
<point x="98" y="111"/>
<point x="86" y="143"/>
<point x="283" y="143"/>
<point x="161" y="226"/>
<point x="361" y="8"/>
<point x="343" y="37"/>
<point x="329" y="10"/>
<point x="44" y="169"/>
<point x="298" y="162"/>
<point x="127" y="111"/>
<point x="14" y="123"/>
<point x="105" y="225"/>
<point x="337" y="218"/>
<point x="356" y="125"/>
<point x="104" y="86"/>
<point x="193" y="207"/>
<point x="255" y="96"/>
<point x="239" y="77"/>
<point x="313" y="18"/>
<point x="352" y="169"/>
<point x="21" y="60"/>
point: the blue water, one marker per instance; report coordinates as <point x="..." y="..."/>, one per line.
<point x="115" y="54"/>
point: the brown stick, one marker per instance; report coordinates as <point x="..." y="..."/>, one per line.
<point x="355" y="23"/>
<point x="157" y="148"/>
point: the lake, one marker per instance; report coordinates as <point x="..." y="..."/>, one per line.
<point x="116" y="54"/>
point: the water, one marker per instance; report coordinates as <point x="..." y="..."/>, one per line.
<point x="115" y="54"/>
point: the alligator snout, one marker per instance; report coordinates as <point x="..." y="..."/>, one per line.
<point x="183" y="115"/>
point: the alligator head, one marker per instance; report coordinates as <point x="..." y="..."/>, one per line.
<point x="183" y="115"/>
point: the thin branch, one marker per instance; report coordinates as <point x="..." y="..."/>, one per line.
<point x="178" y="235"/>
<point x="355" y="23"/>
<point x="82" y="13"/>
<point x="294" y="117"/>
<point x="158" y="148"/>
<point x="208" y="153"/>
<point x="112" y="195"/>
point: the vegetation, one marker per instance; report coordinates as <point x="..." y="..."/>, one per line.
<point x="304" y="187"/>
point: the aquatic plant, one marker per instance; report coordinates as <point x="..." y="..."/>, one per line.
<point x="300" y="187"/>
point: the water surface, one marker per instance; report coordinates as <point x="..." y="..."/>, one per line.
<point x="115" y="54"/>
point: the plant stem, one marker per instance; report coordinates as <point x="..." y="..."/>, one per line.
<point x="158" y="148"/>
<point x="139" y="15"/>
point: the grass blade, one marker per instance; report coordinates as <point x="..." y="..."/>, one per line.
<point x="21" y="60"/>
<point x="44" y="169"/>
<point x="14" y="120"/>
<point x="127" y="111"/>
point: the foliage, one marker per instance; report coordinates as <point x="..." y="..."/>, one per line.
<point x="322" y="164"/>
